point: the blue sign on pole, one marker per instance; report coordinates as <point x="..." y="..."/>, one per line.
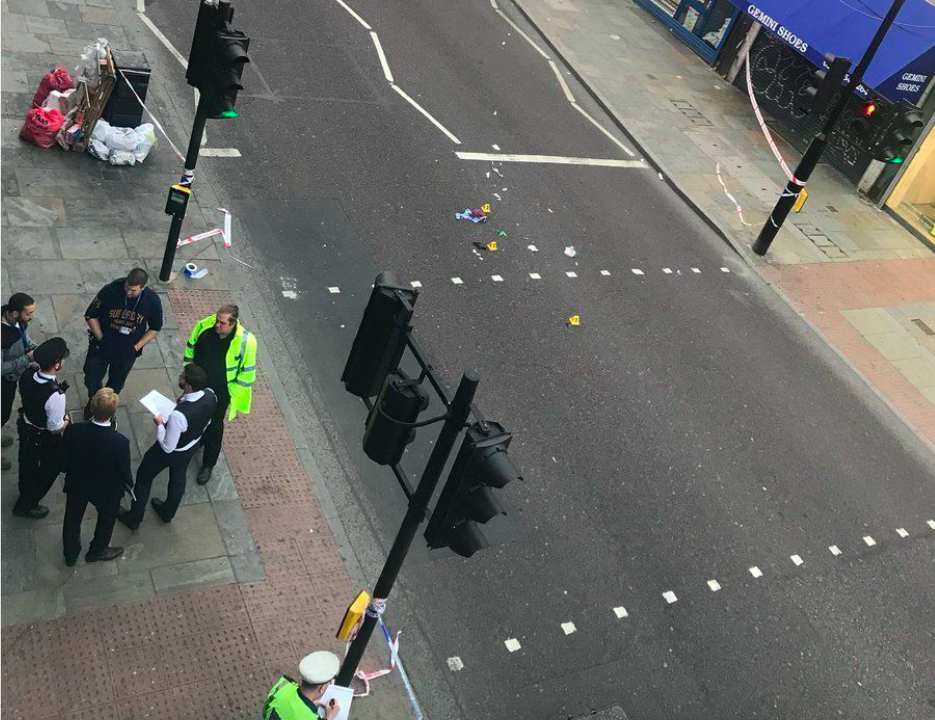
<point x="902" y="67"/>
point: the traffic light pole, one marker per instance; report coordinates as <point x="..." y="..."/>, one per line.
<point x="188" y="178"/>
<point x="817" y="146"/>
<point x="458" y="412"/>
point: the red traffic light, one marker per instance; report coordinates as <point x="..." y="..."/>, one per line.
<point x="869" y="109"/>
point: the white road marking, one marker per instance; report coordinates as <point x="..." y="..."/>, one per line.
<point x="457" y="281"/>
<point x="605" y="273"/>
<point x="696" y="270"/>
<point x="714" y="585"/>
<point x="669" y="596"/>
<point x="532" y="248"/>
<point x="620" y="612"/>
<point x="902" y="532"/>
<point x="604" y="130"/>
<point x="667" y="271"/>
<point x="220" y="152"/>
<point x="291" y="294"/>
<point x="551" y="159"/>
<point x="354" y="15"/>
<point x="455" y="664"/>
<point x="931" y="524"/>
<point x="569" y="628"/>
<point x="524" y="35"/>
<point x="637" y="271"/>
<point x="512" y="644"/>
<point x="535" y="276"/>
<point x="425" y="112"/>
<point x="387" y="73"/>
<point x="416" y="284"/>
<point x="571" y="274"/>
<point x="796" y="559"/>
<point x="725" y="270"/>
<point x="334" y="290"/>
<point x="835" y="550"/>
<point x="869" y="540"/>
<point x="164" y="40"/>
<point x="496" y="278"/>
<point x="561" y="81"/>
<point x="756" y="572"/>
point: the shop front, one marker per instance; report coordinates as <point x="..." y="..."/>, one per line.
<point x="703" y="25"/>
<point x="912" y="197"/>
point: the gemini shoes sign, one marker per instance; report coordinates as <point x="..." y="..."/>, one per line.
<point x="902" y="67"/>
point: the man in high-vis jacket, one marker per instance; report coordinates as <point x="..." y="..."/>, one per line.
<point x="227" y="352"/>
<point x="289" y="700"/>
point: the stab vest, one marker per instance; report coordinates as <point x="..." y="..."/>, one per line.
<point x="198" y="413"/>
<point x="35" y="395"/>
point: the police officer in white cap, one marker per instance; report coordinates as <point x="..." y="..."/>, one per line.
<point x="289" y="700"/>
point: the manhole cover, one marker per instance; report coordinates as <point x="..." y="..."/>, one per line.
<point x="614" y="712"/>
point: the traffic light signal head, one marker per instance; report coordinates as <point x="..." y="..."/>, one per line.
<point x="388" y="425"/>
<point x="381" y="337"/>
<point x="824" y="83"/>
<point x="222" y="81"/>
<point x="199" y="58"/>
<point x="468" y="499"/>
<point x="900" y="135"/>
<point x="866" y="120"/>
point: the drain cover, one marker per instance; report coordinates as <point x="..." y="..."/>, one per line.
<point x="614" y="712"/>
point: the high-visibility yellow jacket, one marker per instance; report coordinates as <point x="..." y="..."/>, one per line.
<point x="240" y="360"/>
<point x="285" y="701"/>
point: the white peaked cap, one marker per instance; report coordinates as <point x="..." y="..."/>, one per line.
<point x="319" y="668"/>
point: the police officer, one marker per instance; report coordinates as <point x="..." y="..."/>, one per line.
<point x="17" y="352"/>
<point x="177" y="436"/>
<point x="288" y="700"/>
<point x="42" y="421"/>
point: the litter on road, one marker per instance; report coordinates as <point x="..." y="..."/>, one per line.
<point x="475" y="215"/>
<point x="570" y="251"/>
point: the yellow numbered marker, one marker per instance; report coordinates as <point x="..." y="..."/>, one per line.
<point x="492" y="246"/>
<point x="485" y="208"/>
<point x="574" y="320"/>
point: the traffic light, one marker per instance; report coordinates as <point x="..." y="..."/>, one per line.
<point x="468" y="499"/>
<point x="389" y="422"/>
<point x="381" y="336"/>
<point x="824" y="83"/>
<point x="199" y="57"/>
<point x="900" y="135"/>
<point x="866" y="119"/>
<point x="225" y="72"/>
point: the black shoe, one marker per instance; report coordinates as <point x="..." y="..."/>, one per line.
<point x="204" y="475"/>
<point x="70" y="561"/>
<point x="124" y="517"/>
<point x="159" y="508"/>
<point x="36" y="513"/>
<point x="111" y="553"/>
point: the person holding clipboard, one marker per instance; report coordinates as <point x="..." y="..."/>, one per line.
<point x="289" y="700"/>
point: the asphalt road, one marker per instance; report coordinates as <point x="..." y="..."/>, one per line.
<point x="689" y="430"/>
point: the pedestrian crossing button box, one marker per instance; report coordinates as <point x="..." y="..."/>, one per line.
<point x="178" y="200"/>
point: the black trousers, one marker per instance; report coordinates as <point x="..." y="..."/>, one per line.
<point x="97" y="364"/>
<point x="214" y="433"/>
<point x="153" y="463"/>
<point x="39" y="465"/>
<point x="9" y="395"/>
<point x="75" y="506"/>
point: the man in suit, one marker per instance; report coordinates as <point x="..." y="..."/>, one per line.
<point x="97" y="471"/>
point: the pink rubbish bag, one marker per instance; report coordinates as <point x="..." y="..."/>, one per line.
<point x="41" y="127"/>
<point x="58" y="79"/>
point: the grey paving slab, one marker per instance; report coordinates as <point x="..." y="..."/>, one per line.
<point x="172" y="345"/>
<point x="58" y="277"/>
<point x="192" y="535"/>
<point x="46" y="26"/>
<point x="89" y="32"/>
<point x="32" y="243"/>
<point x="36" y="8"/>
<point x="63" y="46"/>
<point x="99" y="15"/>
<point x="35" y="212"/>
<point x="32" y="606"/>
<point x="248" y="568"/>
<point x="141" y="381"/>
<point x="221" y="485"/>
<point x="191" y="575"/>
<point x="64" y="10"/>
<point x="234" y="528"/>
<point x="44" y="323"/>
<point x="97" y="273"/>
<point x="51" y="570"/>
<point x="115" y="590"/>
<point x="15" y="81"/>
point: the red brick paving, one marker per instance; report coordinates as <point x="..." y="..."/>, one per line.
<point x="822" y="290"/>
<point x="211" y="653"/>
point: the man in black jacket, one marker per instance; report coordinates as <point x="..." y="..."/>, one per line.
<point x="123" y="318"/>
<point x="17" y="352"/>
<point x="97" y="471"/>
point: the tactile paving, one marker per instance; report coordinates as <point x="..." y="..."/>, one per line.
<point x="273" y="488"/>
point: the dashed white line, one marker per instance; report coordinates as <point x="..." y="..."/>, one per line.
<point x="457" y="281"/>
<point x="571" y="274"/>
<point x="220" y="152"/>
<point x="637" y="271"/>
<point x="605" y="273"/>
<point x="714" y="585"/>
<point x="416" y="284"/>
<point x="387" y="73"/>
<point x="551" y="159"/>
<point x="512" y="644"/>
<point x="604" y="130"/>
<point x="455" y="663"/>
<point x="561" y="81"/>
<point x="725" y="270"/>
<point x="426" y="113"/>
<point x="354" y="15"/>
<point x="568" y="627"/>
<point x="835" y="550"/>
<point x="930" y="523"/>
<point x="535" y="276"/>
<point x="524" y="35"/>
<point x="164" y="40"/>
<point x="334" y="290"/>
<point x="620" y="612"/>
<point x="902" y="532"/>
<point x="869" y="540"/>
<point x="669" y="596"/>
<point x="796" y="559"/>
<point x="496" y="278"/>
<point x="756" y="572"/>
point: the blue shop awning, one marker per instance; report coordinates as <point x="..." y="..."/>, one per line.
<point x="901" y="68"/>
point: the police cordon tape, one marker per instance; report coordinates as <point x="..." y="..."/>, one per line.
<point x="152" y="117"/>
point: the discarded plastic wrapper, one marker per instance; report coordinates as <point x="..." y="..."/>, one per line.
<point x="533" y="248"/>
<point x="200" y="236"/>
<point x="500" y="233"/>
<point x="475" y="216"/>
<point x="192" y="271"/>
<point x="570" y="251"/>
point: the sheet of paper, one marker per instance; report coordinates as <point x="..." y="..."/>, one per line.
<point x="343" y="696"/>
<point x="158" y="404"/>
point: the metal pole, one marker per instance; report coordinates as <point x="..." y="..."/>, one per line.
<point x="815" y="148"/>
<point x="188" y="177"/>
<point x="458" y="413"/>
